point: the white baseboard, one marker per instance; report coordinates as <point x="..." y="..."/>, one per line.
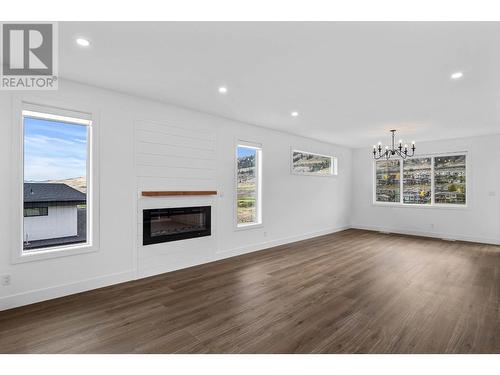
<point x="44" y="294"/>
<point x="282" y="241"/>
<point x="33" y="296"/>
<point x="166" y="268"/>
<point x="152" y="271"/>
<point x="29" y="297"/>
<point x="443" y="236"/>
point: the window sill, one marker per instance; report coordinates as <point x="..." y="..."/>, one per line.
<point x="52" y="252"/>
<point x="314" y="174"/>
<point x="421" y="206"/>
<point x="249" y="226"/>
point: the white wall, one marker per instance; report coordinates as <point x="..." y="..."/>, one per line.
<point x="480" y="221"/>
<point x="61" y="221"/>
<point x="295" y="207"/>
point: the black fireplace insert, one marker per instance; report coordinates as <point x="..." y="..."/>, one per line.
<point x="174" y="224"/>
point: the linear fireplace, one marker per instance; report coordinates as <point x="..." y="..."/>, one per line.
<point x="174" y="224"/>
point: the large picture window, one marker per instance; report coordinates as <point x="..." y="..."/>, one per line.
<point x="56" y="169"/>
<point x="428" y="180"/>
<point x="248" y="185"/>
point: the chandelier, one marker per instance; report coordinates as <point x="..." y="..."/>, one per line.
<point x="388" y="152"/>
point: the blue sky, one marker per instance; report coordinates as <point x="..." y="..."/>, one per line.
<point x="243" y="151"/>
<point x="54" y="150"/>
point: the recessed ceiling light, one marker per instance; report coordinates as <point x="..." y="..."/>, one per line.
<point x="83" y="42"/>
<point x="457" y="75"/>
<point x="222" y="90"/>
<point x="294" y="114"/>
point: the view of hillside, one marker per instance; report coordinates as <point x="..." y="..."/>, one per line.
<point x="78" y="183"/>
<point x="247" y="188"/>
<point x="417" y="181"/>
<point x="449" y="180"/>
<point x="311" y="163"/>
<point x="387" y="181"/>
<point x="55" y="152"/>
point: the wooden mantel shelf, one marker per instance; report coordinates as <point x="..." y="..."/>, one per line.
<point x="174" y="193"/>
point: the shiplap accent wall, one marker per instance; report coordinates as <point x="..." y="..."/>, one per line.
<point x="169" y="157"/>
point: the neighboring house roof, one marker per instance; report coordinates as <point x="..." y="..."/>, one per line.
<point x="46" y="192"/>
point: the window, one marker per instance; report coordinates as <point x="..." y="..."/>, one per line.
<point x="449" y="179"/>
<point x="36" y="211"/>
<point x="427" y="180"/>
<point x="387" y="181"/>
<point x="248" y="185"/>
<point x="306" y="163"/>
<point x="417" y="181"/>
<point x="56" y="173"/>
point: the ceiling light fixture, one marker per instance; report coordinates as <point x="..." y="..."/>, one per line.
<point x="457" y="75"/>
<point x="400" y="150"/>
<point x="222" y="90"/>
<point x="83" y="42"/>
<point x="294" y="114"/>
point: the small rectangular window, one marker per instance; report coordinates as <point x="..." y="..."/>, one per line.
<point x="307" y="163"/>
<point x="56" y="173"/>
<point x="248" y="185"/>
<point x="449" y="180"/>
<point x="36" y="211"/>
<point x="417" y="176"/>
<point x="387" y="176"/>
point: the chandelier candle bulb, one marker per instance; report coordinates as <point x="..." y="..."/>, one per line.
<point x="394" y="149"/>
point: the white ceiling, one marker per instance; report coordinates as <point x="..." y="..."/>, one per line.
<point x="350" y="81"/>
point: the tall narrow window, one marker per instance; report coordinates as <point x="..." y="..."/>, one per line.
<point x="449" y="180"/>
<point x="248" y="185"/>
<point x="417" y="181"/>
<point x="387" y="181"/>
<point x="56" y="175"/>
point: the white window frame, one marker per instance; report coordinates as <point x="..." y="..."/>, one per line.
<point x="258" y="164"/>
<point x="333" y="163"/>
<point x="434" y="205"/>
<point x="21" y="109"/>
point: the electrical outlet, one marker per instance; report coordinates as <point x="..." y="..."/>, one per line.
<point x="265" y="234"/>
<point x="5" y="280"/>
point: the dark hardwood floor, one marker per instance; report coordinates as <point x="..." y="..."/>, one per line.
<point x="350" y="292"/>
